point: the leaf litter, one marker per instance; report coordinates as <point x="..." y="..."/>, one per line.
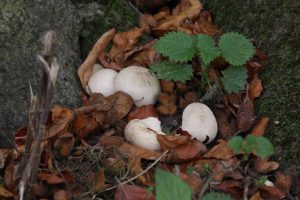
<point x="85" y="154"/>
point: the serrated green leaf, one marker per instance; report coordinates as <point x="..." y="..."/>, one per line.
<point x="236" y="48"/>
<point x="263" y="147"/>
<point x="234" y="78"/>
<point x="178" y="46"/>
<point x="171" y="187"/>
<point x="215" y="196"/>
<point x="207" y="49"/>
<point x="172" y="71"/>
<point x="235" y="143"/>
<point x="249" y="144"/>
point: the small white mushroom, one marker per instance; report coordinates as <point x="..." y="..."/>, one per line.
<point x="139" y="84"/>
<point x="102" y="81"/>
<point x="199" y="121"/>
<point x="269" y="183"/>
<point x="142" y="133"/>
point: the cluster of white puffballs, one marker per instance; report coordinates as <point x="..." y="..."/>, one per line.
<point x="197" y="118"/>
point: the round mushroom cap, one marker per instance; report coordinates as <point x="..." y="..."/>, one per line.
<point x="102" y="81"/>
<point x="138" y="83"/>
<point x="199" y="121"/>
<point x="138" y="133"/>
<point x="153" y="123"/>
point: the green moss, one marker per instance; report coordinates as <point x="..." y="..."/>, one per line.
<point x="275" y="26"/>
<point x="108" y="14"/>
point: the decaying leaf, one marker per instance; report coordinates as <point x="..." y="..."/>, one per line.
<point x="283" y="181"/>
<point x="220" y="151"/>
<point x="271" y="193"/>
<point x="225" y="127"/>
<point x="260" y="127"/>
<point x="63" y="145"/>
<point x="168" y="142"/>
<point x="255" y="88"/>
<point x="132" y="192"/>
<point x="86" y="69"/>
<point x="264" y="165"/>
<point x="167" y="104"/>
<point x="143" y="112"/>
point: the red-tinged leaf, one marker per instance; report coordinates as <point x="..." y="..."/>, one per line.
<point x="85" y="125"/>
<point x="283" y="181"/>
<point x="61" y="195"/>
<point x="86" y="69"/>
<point x="63" y="145"/>
<point x="61" y="118"/>
<point x="132" y="192"/>
<point x="265" y="166"/>
<point x="51" y="179"/>
<point x="68" y="176"/>
<point x="220" y="151"/>
<point x="271" y="193"/>
<point x="255" y="88"/>
<point x="168" y="142"/>
<point x="260" y="127"/>
<point x="192" y="150"/>
<point x="143" y="112"/>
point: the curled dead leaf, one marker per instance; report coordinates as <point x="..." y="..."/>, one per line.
<point x="220" y="151"/>
<point x="143" y="112"/>
<point x="86" y="69"/>
<point x="260" y="127"/>
<point x="264" y="165"/>
<point x="255" y="88"/>
<point x="168" y="142"/>
<point x="63" y="145"/>
<point x="61" y="118"/>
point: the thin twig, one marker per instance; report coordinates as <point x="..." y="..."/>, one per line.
<point x="140" y="174"/>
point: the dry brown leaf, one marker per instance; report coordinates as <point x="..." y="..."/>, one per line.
<point x="143" y="112"/>
<point x="122" y="104"/>
<point x="235" y="188"/>
<point x="168" y="142"/>
<point x="271" y="193"/>
<point x="283" y="181"/>
<point x="192" y="150"/>
<point x="63" y="145"/>
<point x="51" y="179"/>
<point x="108" y="141"/>
<point x="225" y="127"/>
<point x="189" y="97"/>
<point x="220" y="151"/>
<point x="227" y="168"/>
<point x="204" y="25"/>
<point x="194" y="181"/>
<point x="245" y="115"/>
<point x="99" y="181"/>
<point x="255" y="88"/>
<point x="61" y="195"/>
<point x="167" y="104"/>
<point x="115" y="164"/>
<point x="132" y="192"/>
<point x="256" y="196"/>
<point x="3" y="155"/>
<point x="167" y="86"/>
<point x="61" y="119"/>
<point x="5" y="194"/>
<point x="265" y="166"/>
<point x="86" y="69"/>
<point x="260" y="127"/>
<point x="85" y="126"/>
<point x="9" y="176"/>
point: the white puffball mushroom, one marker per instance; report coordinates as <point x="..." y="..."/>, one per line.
<point x="269" y="183"/>
<point x="142" y="133"/>
<point x="102" y="81"/>
<point x="199" y="121"/>
<point x="97" y="67"/>
<point x="138" y="83"/>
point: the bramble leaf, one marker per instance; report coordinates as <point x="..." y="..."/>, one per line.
<point x="215" y="196"/>
<point x="236" y="48"/>
<point x="207" y="49"/>
<point x="234" y="78"/>
<point x="171" y="187"/>
<point x="178" y="46"/>
<point x="264" y="147"/>
<point x="172" y="71"/>
<point x="236" y="143"/>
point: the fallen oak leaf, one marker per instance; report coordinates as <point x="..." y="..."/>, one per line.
<point x="168" y="142"/>
<point x="86" y="68"/>
<point x="260" y="127"/>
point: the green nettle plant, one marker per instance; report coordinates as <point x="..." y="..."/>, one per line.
<point x="181" y="48"/>
<point x="260" y="145"/>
